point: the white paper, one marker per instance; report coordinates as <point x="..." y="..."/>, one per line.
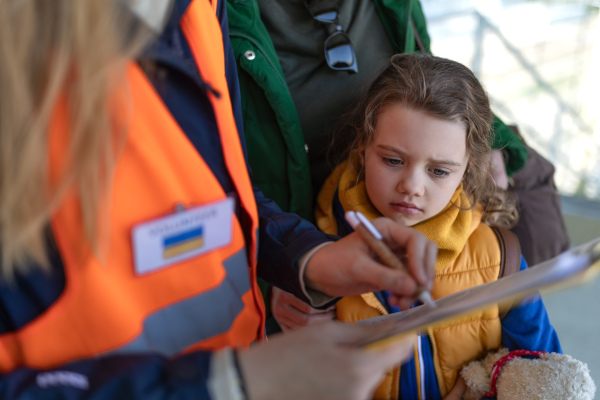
<point x="568" y="265"/>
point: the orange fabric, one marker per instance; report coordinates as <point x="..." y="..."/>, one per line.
<point x="104" y="302"/>
<point x="199" y="32"/>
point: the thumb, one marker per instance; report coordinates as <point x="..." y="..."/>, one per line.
<point x="354" y="334"/>
<point x="382" y="277"/>
<point x="392" y="351"/>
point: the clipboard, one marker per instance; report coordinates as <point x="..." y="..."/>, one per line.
<point x="573" y="267"/>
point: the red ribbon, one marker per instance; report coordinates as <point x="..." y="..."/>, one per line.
<point x="500" y="363"/>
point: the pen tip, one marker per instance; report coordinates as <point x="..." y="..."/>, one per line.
<point x="351" y="218"/>
<point x="426" y="298"/>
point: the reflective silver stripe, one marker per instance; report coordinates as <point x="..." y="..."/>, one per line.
<point x="174" y="328"/>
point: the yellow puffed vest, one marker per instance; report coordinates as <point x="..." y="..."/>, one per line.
<point x="469" y="255"/>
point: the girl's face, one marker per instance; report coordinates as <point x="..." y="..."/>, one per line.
<point x="414" y="164"/>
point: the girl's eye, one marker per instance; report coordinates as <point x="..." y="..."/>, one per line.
<point x="392" y="161"/>
<point x="439" y="172"/>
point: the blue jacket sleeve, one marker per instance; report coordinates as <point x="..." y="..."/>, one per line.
<point x="115" y="377"/>
<point x="526" y="325"/>
<point x="284" y="238"/>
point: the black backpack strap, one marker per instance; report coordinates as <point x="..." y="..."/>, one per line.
<point x="510" y="253"/>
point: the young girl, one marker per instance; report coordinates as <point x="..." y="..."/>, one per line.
<point x="421" y="156"/>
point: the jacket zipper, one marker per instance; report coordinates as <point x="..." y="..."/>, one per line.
<point x="430" y="337"/>
<point x="259" y="47"/>
<point x="421" y="366"/>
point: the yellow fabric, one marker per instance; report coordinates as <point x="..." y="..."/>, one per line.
<point x="470" y="337"/>
<point x="449" y="229"/>
<point x="468" y="255"/>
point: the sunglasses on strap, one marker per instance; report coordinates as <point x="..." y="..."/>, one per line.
<point x="339" y="52"/>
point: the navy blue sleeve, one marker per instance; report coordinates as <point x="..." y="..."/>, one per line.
<point x="231" y="75"/>
<point x="115" y="377"/>
<point x="284" y="238"/>
<point x="526" y="325"/>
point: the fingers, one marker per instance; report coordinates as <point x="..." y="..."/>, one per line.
<point x="393" y="352"/>
<point x="282" y="297"/>
<point x="404" y="303"/>
<point x="320" y="362"/>
<point x="347" y="333"/>
<point x="292" y="313"/>
<point x="460" y="387"/>
<point x="371" y="272"/>
<point x="420" y="253"/>
<point x="349" y="266"/>
<point x="431" y="253"/>
<point x="293" y="319"/>
<point x="499" y="169"/>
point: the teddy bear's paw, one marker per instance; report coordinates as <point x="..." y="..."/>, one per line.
<point x="477" y="380"/>
<point x="477" y="374"/>
<point x="551" y="377"/>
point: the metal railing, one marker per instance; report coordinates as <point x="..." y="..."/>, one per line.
<point x="552" y="146"/>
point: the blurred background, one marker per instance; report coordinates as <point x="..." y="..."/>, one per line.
<point x="540" y="63"/>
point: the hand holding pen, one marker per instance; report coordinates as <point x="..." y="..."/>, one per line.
<point x="371" y="235"/>
<point x="348" y="266"/>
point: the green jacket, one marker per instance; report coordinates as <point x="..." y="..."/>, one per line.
<point x="274" y="138"/>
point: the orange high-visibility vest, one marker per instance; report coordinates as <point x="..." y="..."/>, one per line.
<point x="206" y="302"/>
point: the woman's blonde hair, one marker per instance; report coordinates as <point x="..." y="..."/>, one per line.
<point x="75" y="48"/>
<point x="448" y="90"/>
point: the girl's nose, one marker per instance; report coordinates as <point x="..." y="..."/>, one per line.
<point x="411" y="184"/>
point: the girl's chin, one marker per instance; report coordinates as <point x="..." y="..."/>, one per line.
<point x="404" y="220"/>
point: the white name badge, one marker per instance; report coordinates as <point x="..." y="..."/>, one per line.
<point x="182" y="235"/>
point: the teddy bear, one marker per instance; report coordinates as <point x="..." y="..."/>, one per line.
<point x="525" y="375"/>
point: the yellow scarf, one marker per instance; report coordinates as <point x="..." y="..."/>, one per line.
<point x="449" y="229"/>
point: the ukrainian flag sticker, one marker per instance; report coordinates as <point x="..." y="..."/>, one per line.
<point x="182" y="243"/>
<point x="182" y="235"/>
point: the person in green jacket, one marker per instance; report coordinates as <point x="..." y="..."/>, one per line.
<point x="293" y="93"/>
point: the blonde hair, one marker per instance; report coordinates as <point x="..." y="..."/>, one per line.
<point x="445" y="89"/>
<point x="48" y="49"/>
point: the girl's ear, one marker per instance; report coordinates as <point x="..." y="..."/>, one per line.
<point x="361" y="154"/>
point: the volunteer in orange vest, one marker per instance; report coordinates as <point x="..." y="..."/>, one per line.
<point x="130" y="233"/>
